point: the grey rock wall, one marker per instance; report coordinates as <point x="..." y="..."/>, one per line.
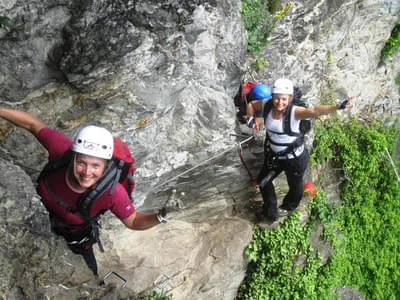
<point x="332" y="49"/>
<point x="161" y="75"/>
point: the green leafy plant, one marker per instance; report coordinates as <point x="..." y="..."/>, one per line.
<point x="283" y="264"/>
<point x="397" y="80"/>
<point x="4" y="22"/>
<point x="362" y="229"/>
<point x="259" y="22"/>
<point x="368" y="218"/>
<point x="391" y="46"/>
<point x="393" y="43"/>
<point x="258" y="64"/>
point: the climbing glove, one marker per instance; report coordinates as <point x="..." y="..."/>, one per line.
<point x="342" y="104"/>
<point x="161" y="215"/>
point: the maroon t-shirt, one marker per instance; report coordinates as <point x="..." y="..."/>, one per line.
<point x="56" y="144"/>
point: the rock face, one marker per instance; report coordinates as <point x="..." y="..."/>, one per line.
<point x="161" y="75"/>
<point x="332" y="49"/>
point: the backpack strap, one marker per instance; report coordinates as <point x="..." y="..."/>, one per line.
<point x="119" y="167"/>
<point x="286" y="122"/>
<point x="108" y="179"/>
<point x="93" y="221"/>
<point x="61" y="162"/>
<point x="130" y="183"/>
<point x="286" y="129"/>
<point x="59" y="200"/>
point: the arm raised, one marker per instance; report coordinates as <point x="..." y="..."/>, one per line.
<point x="319" y="110"/>
<point x="22" y="119"/>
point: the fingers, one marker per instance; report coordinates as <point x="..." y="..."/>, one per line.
<point x="350" y="104"/>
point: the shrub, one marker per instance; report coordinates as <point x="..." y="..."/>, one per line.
<point x="393" y="43"/>
<point x="259" y="21"/>
<point x="363" y="229"/>
<point x="4" y="22"/>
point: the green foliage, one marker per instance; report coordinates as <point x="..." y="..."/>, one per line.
<point x="393" y="43"/>
<point x="363" y="229"/>
<point x="259" y="22"/>
<point x="258" y="64"/>
<point x="4" y="22"/>
<point x="397" y="80"/>
<point x="283" y="264"/>
<point x="368" y="219"/>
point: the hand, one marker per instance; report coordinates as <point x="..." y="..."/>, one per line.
<point x="256" y="126"/>
<point x="161" y="215"/>
<point x="346" y="103"/>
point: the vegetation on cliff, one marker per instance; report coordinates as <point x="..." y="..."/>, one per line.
<point x="362" y="229"/>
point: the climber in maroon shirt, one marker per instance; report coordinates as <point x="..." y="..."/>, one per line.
<point x="92" y="150"/>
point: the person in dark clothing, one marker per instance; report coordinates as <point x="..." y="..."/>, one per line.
<point x="284" y="152"/>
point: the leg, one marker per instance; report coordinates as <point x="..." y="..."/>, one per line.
<point x="270" y="203"/>
<point x="90" y="260"/>
<point x="268" y="193"/>
<point x="85" y="249"/>
<point x="294" y="170"/>
<point x="88" y="256"/>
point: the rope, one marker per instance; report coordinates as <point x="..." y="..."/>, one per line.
<point x="239" y="150"/>
<point x="194" y="167"/>
<point x="393" y="165"/>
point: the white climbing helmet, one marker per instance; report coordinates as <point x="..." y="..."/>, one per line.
<point x="94" y="141"/>
<point x="283" y="86"/>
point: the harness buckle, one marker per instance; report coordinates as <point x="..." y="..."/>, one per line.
<point x="84" y="240"/>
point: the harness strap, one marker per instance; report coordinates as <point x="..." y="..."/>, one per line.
<point x="101" y="187"/>
<point x="117" y="176"/>
<point x="96" y="233"/>
<point x="94" y="222"/>
<point x="55" y="196"/>
<point x="296" y="134"/>
<point x="286" y="130"/>
<point x="84" y="240"/>
<point x="271" y="157"/>
<point x="130" y="181"/>
<point x="289" y="149"/>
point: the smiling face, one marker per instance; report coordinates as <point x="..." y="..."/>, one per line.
<point x="281" y="102"/>
<point x="87" y="170"/>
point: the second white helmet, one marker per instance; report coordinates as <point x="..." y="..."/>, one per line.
<point x="94" y="141"/>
